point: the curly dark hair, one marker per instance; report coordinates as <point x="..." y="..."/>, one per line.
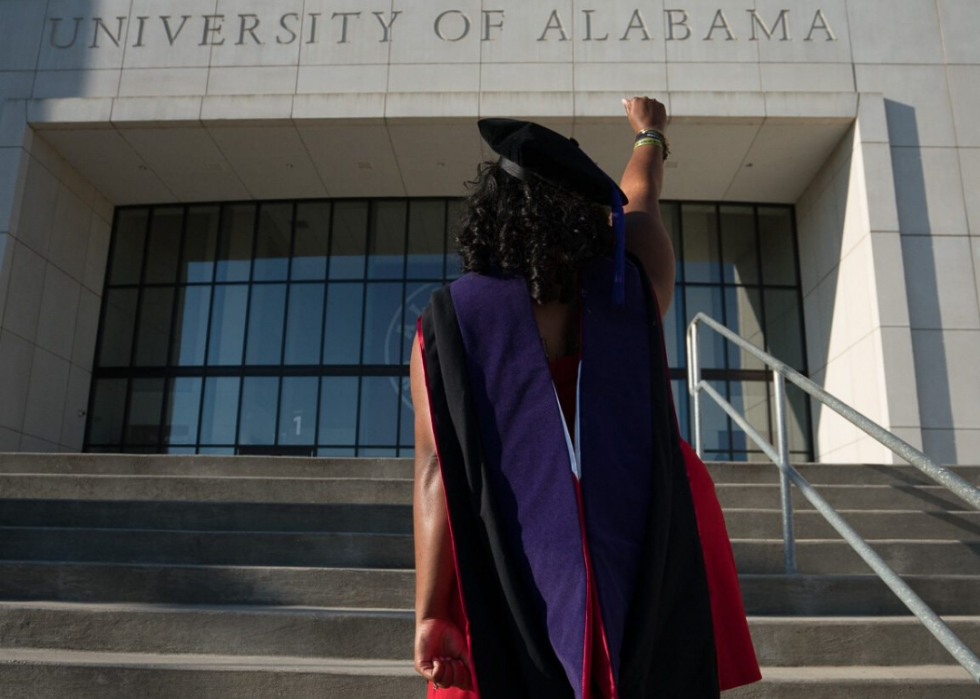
<point x="529" y="228"/>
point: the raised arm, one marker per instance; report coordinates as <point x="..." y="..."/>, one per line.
<point x="646" y="235"/>
<point x="440" y="647"/>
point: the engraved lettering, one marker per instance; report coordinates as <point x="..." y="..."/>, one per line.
<point x="588" y="28"/>
<point x="386" y="26"/>
<point x="720" y="15"/>
<point x="313" y="18"/>
<point x="781" y="20"/>
<point x="345" y="16"/>
<point x="207" y="39"/>
<point x="554" y="24"/>
<point x="171" y="35"/>
<point x="636" y="22"/>
<point x="488" y="24"/>
<point x="822" y="25"/>
<point x="55" y="21"/>
<point x="671" y="23"/>
<point x="292" y="33"/>
<point x="242" y="28"/>
<point x="438" y="25"/>
<point x="115" y="38"/>
<point x="141" y="23"/>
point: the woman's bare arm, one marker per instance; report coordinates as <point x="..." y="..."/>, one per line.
<point x="646" y="235"/>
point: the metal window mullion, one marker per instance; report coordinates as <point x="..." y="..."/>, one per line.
<point x="401" y="338"/>
<point x="136" y="325"/>
<point x="364" y="294"/>
<point x="207" y="332"/>
<point x="285" y="319"/>
<point x="323" y="321"/>
<point x="248" y="315"/>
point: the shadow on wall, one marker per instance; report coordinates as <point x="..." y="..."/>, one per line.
<point x="928" y="349"/>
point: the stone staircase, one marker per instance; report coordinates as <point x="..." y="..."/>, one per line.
<point x="257" y="577"/>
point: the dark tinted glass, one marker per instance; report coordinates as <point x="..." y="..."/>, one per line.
<point x="153" y="336"/>
<point x="776" y="244"/>
<point x="219" y="416"/>
<point x="379" y="410"/>
<point x="118" y="324"/>
<point x="163" y="248"/>
<point x="145" y="411"/>
<point x="304" y="324"/>
<point x="257" y="420"/>
<point x="342" y="333"/>
<point x="191" y="328"/>
<point x="235" y="241"/>
<point x="183" y="410"/>
<point x="312" y="236"/>
<point x="383" y="323"/>
<point x="265" y="323"/>
<point x="200" y="244"/>
<point x="426" y="239"/>
<point x="272" y="242"/>
<point x="386" y="240"/>
<point x="128" y="241"/>
<point x="702" y="262"/>
<point x="348" y="240"/>
<point x="297" y="413"/>
<point x="338" y="410"/>
<point x="228" y="324"/>
<point x="108" y="409"/>
<point x="740" y="252"/>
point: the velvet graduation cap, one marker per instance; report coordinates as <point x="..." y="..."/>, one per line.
<point x="528" y="150"/>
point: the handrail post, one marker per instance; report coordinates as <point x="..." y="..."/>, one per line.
<point x="785" y="492"/>
<point x="693" y="384"/>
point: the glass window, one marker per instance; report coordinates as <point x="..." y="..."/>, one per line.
<point x="190" y="333"/>
<point x="379" y="411"/>
<point x="407" y="420"/>
<point x="416" y="299"/>
<point x="200" y="243"/>
<point x="183" y="410"/>
<point x="743" y="312"/>
<point x="311" y="238"/>
<point x="220" y="411"/>
<point x="454" y="212"/>
<point x="145" y="411"/>
<point x="272" y="242"/>
<point x="304" y="324"/>
<point x="386" y="241"/>
<point x="701" y="259"/>
<point x="297" y="415"/>
<point x="108" y="408"/>
<point x="228" y="324"/>
<point x="128" y="242"/>
<point x="163" y="248"/>
<point x="751" y="398"/>
<point x="118" y="323"/>
<point x="383" y="323"/>
<point x="257" y="422"/>
<point x="153" y="337"/>
<point x="708" y="300"/>
<point x="426" y="239"/>
<point x="783" y="329"/>
<point x="265" y="321"/>
<point x="338" y="410"/>
<point x="776" y="244"/>
<point x="349" y="240"/>
<point x="342" y="334"/>
<point x="740" y="261"/>
<point x="234" y="261"/>
<point x="671" y="219"/>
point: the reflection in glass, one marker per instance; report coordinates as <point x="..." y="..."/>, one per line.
<point x="407" y="424"/>
<point x="416" y="298"/>
<point x="311" y="237"/>
<point x="108" y="407"/>
<point x="426" y="239"/>
<point x="200" y="242"/>
<point x="776" y="244"/>
<point x="272" y="242"/>
<point x="265" y="321"/>
<point x="118" y="323"/>
<point x="386" y="240"/>
<point x="304" y="324"/>
<point x="708" y="300"/>
<point x="235" y="243"/>
<point x="348" y="240"/>
<point x="740" y="263"/>
<point x="183" y="410"/>
<point x="190" y="334"/>
<point x="674" y="332"/>
<point x="701" y="258"/>
<point x="297" y="414"/>
<point x="714" y="420"/>
<point x="454" y="210"/>
<point x="228" y="324"/>
<point x="750" y="398"/>
<point x="671" y="220"/>
<point x="220" y="412"/>
<point x="383" y="324"/>
<point x="796" y="416"/>
<point x="342" y="334"/>
<point x="257" y="424"/>
<point x="163" y="247"/>
<point x="128" y="241"/>
<point x="783" y="330"/>
<point x="743" y="310"/>
<point x="153" y="335"/>
<point x="145" y="406"/>
<point x="338" y="410"/>
<point x="379" y="410"/>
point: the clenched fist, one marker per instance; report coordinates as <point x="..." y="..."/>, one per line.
<point x="646" y="113"/>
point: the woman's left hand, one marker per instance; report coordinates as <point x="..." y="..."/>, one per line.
<point x="441" y="655"/>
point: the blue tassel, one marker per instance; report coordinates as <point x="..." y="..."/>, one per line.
<point x="619" y="257"/>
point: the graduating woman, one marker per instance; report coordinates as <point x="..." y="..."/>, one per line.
<point x="569" y="544"/>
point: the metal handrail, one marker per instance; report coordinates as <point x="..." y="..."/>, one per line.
<point x="788" y="474"/>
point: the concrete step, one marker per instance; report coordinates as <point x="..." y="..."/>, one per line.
<point x="304" y="467"/>
<point x="871" y="524"/>
<point x="344" y="549"/>
<point x="385" y="633"/>
<point x="861" y="682"/>
<point x="352" y="491"/>
<point x="399" y="492"/>
<point x="207" y="516"/>
<point x="330" y="549"/>
<point x="776" y="594"/>
<point x="58" y="674"/>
